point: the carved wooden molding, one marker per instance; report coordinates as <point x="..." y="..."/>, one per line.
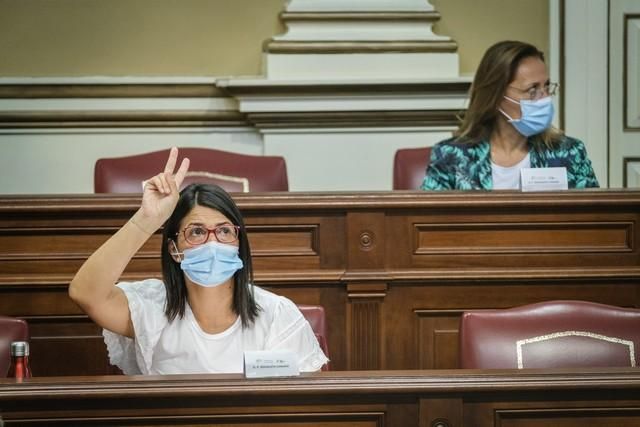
<point x="365" y="326"/>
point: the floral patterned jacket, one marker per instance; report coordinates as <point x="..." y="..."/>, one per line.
<point x="458" y="165"/>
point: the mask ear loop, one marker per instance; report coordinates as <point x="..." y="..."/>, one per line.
<point x="511" y="119"/>
<point x="175" y="253"/>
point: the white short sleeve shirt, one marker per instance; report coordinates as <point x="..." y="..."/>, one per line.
<point x="182" y="347"/>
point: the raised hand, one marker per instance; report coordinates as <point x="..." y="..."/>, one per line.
<point x="161" y="192"/>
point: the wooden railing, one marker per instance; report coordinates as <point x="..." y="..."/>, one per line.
<point x="441" y="398"/>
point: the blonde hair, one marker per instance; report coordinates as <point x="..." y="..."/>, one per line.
<point x="496" y="71"/>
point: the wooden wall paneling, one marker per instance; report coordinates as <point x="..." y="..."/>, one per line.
<point x="436" y="412"/>
<point x="291" y="246"/>
<point x="437" y="338"/>
<point x="532" y="239"/>
<point x="365" y="330"/>
<point x="393" y="270"/>
<point x="366" y="286"/>
<point x="559" y="410"/>
<point x="423" y="318"/>
<point x="66" y="345"/>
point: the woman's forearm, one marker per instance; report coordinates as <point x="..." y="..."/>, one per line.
<point x="94" y="282"/>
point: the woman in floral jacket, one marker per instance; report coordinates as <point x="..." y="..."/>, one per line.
<point x="506" y="128"/>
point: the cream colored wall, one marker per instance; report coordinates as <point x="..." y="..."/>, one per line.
<point x="207" y="37"/>
<point x="135" y="37"/>
<point x="477" y="24"/>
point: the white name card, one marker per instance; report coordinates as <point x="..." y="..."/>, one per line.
<point x="270" y="363"/>
<point x="543" y="179"/>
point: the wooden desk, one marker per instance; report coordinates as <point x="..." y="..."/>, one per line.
<point x="393" y="270"/>
<point x="603" y="398"/>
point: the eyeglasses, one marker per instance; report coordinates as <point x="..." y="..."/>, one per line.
<point x="199" y="234"/>
<point x="536" y="92"/>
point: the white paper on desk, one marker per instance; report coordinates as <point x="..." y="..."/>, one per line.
<point x="543" y="179"/>
<point x="270" y="363"/>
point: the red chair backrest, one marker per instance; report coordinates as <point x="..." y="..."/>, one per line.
<point x="316" y="318"/>
<point x="410" y="167"/>
<point x="232" y="171"/>
<point x="11" y="329"/>
<point x="553" y="334"/>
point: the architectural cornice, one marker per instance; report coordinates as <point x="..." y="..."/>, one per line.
<point x="108" y="90"/>
<point x="119" y="119"/>
<point x="350" y="119"/>
<point x="258" y="103"/>
<point x="360" y="46"/>
<point x="360" y="16"/>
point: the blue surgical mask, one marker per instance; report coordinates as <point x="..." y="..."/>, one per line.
<point x="536" y="116"/>
<point x="211" y="264"/>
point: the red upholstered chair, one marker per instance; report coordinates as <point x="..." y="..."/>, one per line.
<point x="232" y="171"/>
<point x="11" y="329"/>
<point x="553" y="334"/>
<point x="316" y="318"/>
<point x="409" y="167"/>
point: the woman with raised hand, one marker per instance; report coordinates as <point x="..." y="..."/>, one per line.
<point x="507" y="127"/>
<point x="205" y="312"/>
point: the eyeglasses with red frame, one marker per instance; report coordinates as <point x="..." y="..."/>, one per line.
<point x="198" y="234"/>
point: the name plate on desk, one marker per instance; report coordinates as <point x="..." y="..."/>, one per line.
<point x="270" y="363"/>
<point x="544" y="179"/>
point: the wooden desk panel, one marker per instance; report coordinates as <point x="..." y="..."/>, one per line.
<point x="393" y="270"/>
<point x="533" y="398"/>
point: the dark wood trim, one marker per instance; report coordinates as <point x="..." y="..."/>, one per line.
<point x="446" y="398"/>
<point x="119" y="119"/>
<point x="331" y="383"/>
<point x="275" y="120"/>
<point x="110" y="90"/>
<point x="336" y="201"/>
<point x="275" y="88"/>
<point x="343" y="119"/>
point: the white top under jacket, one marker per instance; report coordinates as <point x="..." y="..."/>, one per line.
<point x="508" y="178"/>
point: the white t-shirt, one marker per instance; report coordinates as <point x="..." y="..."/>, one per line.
<point x="509" y="178"/>
<point x="182" y="347"/>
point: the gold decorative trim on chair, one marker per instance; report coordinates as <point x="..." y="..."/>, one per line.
<point x="555" y="335"/>
<point x="220" y="177"/>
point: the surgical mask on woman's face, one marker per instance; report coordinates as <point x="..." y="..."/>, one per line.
<point x="536" y="116"/>
<point x="210" y="264"/>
